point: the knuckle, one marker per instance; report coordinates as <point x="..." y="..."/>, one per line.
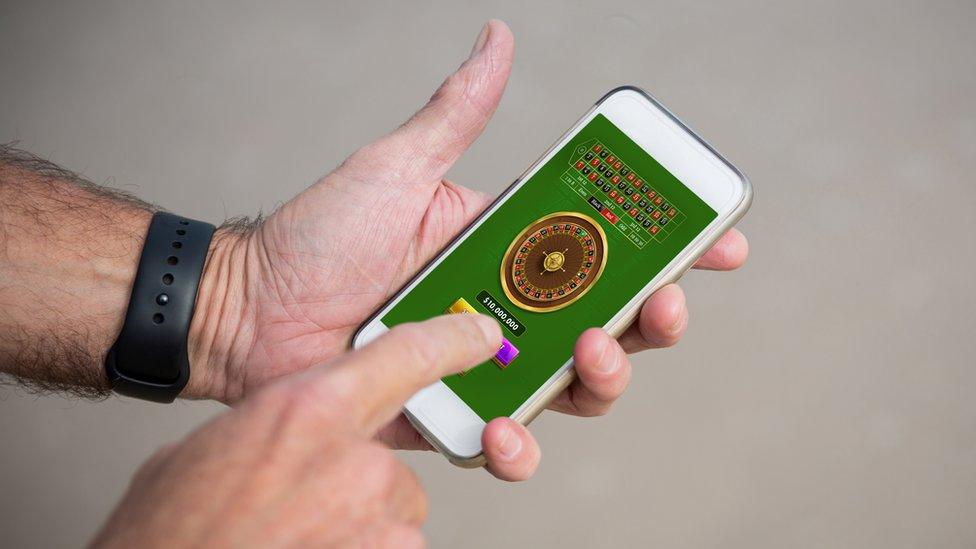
<point x="328" y="395"/>
<point x="463" y="87"/>
<point x="454" y="87"/>
<point x="406" y="332"/>
<point x="295" y="404"/>
<point x="270" y="397"/>
<point x="290" y="406"/>
<point x="362" y="157"/>
<point x="263" y="397"/>
<point x="151" y="467"/>
<point x="408" y="488"/>
<point x="379" y="162"/>
<point x="377" y="467"/>
<point x="414" y="344"/>
<point x="386" y="478"/>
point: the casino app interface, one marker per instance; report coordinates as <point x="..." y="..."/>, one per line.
<point x="564" y="253"/>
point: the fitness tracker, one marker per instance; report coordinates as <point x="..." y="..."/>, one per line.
<point x="149" y="359"/>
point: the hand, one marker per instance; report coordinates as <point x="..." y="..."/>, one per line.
<point x="296" y="465"/>
<point x="290" y="293"/>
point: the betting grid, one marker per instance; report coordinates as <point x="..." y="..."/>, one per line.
<point x="627" y="200"/>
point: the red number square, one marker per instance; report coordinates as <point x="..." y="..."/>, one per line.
<point x="656" y="214"/>
<point x="654" y="229"/>
<point x="592" y="176"/>
<point x="617" y="165"/>
<point x="615" y="179"/>
<point x="659" y="201"/>
<point x="613" y="194"/>
<point x="610" y="159"/>
<point x="633" y="212"/>
<point x="620" y="200"/>
<point x="597" y="147"/>
<point x="579" y="165"/>
<point x="671" y="212"/>
<point x="652" y="194"/>
<point x="630" y="176"/>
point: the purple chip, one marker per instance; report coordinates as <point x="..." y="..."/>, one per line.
<point x="506" y="353"/>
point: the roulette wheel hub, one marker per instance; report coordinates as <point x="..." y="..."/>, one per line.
<point x="554" y="261"/>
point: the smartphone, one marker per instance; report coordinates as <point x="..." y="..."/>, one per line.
<point x="622" y="204"/>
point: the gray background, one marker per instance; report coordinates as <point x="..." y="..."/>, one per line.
<point x="823" y="396"/>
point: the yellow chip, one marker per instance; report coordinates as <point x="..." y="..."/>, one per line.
<point x="460" y="306"/>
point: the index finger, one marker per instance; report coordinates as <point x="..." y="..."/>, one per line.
<point x="377" y="380"/>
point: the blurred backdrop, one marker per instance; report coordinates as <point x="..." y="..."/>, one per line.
<point x="823" y="396"/>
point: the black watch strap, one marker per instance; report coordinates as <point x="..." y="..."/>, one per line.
<point x="149" y="359"/>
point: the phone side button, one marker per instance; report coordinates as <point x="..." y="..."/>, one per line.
<point x="673" y="279"/>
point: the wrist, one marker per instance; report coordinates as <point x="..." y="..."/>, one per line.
<point x="217" y="325"/>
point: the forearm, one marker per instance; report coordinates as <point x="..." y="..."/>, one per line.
<point x="68" y="255"/>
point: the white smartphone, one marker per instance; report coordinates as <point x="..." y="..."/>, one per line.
<point x="620" y="205"/>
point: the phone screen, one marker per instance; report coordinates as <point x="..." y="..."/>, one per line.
<point x="566" y="252"/>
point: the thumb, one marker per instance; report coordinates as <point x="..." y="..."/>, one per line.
<point x="427" y="145"/>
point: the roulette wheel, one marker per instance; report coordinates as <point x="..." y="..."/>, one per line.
<point x="554" y="261"/>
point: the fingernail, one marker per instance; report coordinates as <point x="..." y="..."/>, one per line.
<point x="479" y="44"/>
<point x="510" y="444"/>
<point x="607" y="363"/>
<point x="678" y="324"/>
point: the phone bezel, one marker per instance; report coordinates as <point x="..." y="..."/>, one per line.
<point x="446" y="420"/>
